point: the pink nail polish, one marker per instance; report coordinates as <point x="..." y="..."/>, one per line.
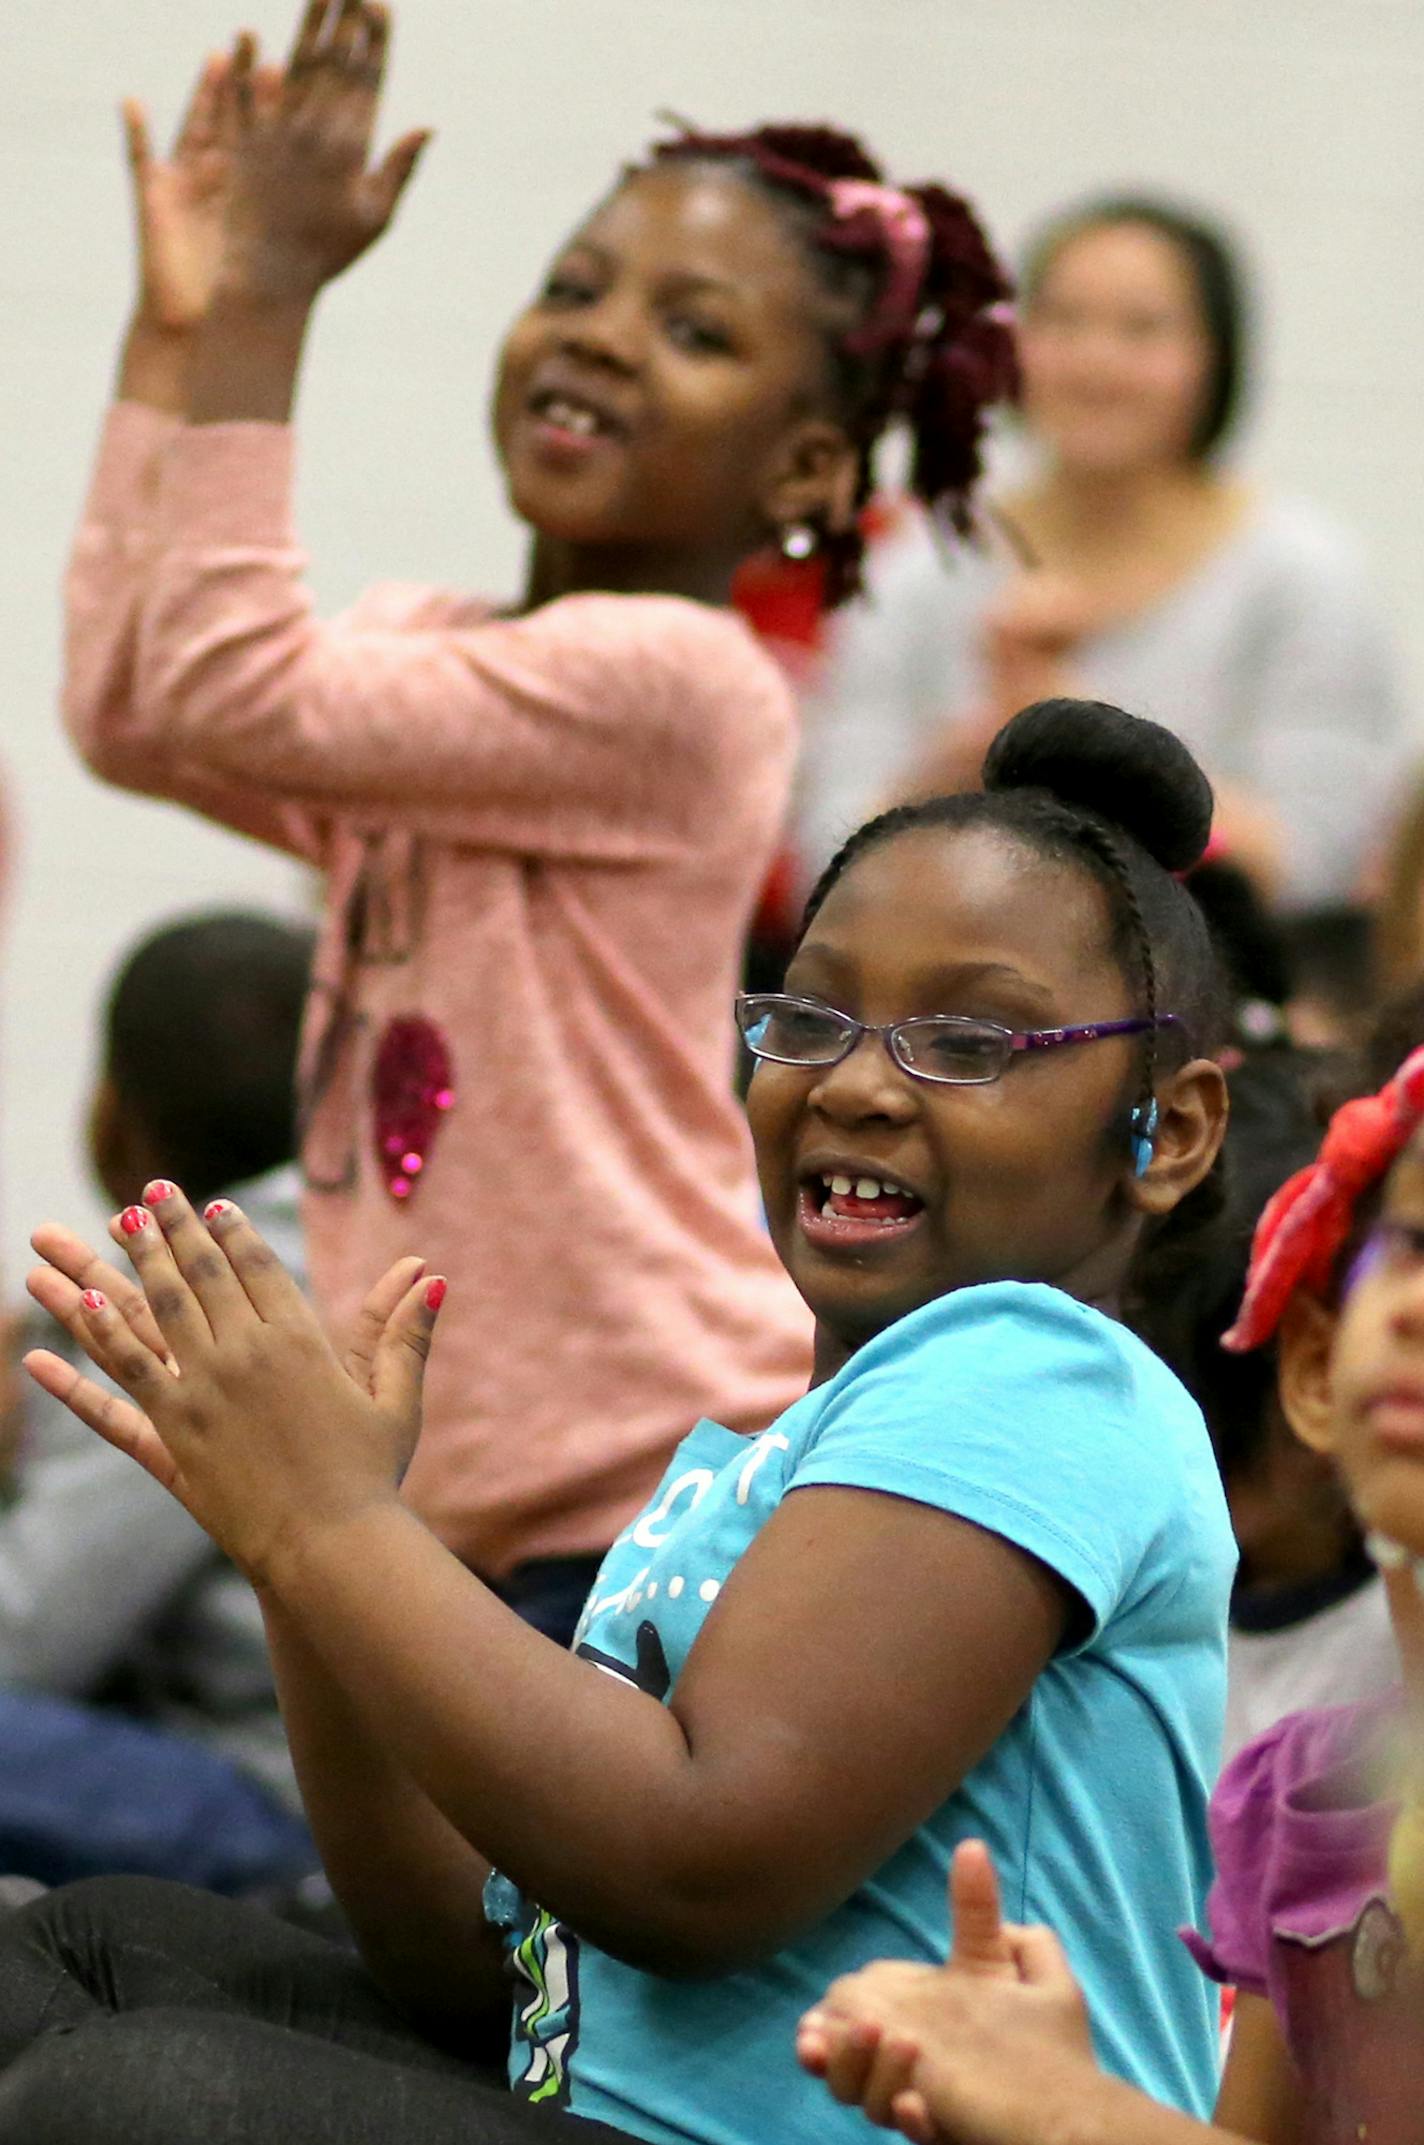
<point x="435" y="1295"/>
<point x="93" y="1301"/>
<point x="215" y="1207"/>
<point x="132" y="1220"/>
<point x="158" y="1191"/>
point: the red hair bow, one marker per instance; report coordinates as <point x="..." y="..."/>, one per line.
<point x="1305" y="1227"/>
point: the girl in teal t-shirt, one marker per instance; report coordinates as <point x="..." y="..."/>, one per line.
<point x="974" y="1583"/>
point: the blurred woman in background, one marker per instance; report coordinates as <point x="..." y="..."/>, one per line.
<point x="1132" y="565"/>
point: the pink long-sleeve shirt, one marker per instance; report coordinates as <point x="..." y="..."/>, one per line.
<point x="543" y="836"/>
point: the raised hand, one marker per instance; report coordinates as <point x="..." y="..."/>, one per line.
<point x="1031" y="633"/>
<point x="237" y="1404"/>
<point x="180" y="203"/>
<point x="306" y="200"/>
<point x="180" y="207"/>
<point x="959" y="2051"/>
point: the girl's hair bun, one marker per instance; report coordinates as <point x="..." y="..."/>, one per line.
<point x="1122" y="768"/>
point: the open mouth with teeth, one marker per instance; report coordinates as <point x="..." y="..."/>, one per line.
<point x="854" y="1211"/>
<point x="569" y="414"/>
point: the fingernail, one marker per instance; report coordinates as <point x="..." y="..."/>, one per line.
<point x="215" y="1207"/>
<point x="132" y="1220"/>
<point x="435" y="1295"/>
<point x="158" y="1191"/>
<point x="93" y="1301"/>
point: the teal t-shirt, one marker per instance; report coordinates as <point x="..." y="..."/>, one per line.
<point x="1017" y="1408"/>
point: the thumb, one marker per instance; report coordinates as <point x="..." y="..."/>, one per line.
<point x="375" y="1315"/>
<point x="398" y="1370"/>
<point x="391" y="177"/>
<point x="979" y="1945"/>
<point x="136" y="138"/>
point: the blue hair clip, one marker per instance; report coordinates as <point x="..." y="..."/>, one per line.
<point x="1144" y="1136"/>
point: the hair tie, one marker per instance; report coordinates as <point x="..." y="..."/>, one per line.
<point x="908" y="240"/>
<point x="1306" y="1226"/>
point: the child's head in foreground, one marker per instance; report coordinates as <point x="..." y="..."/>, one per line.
<point x="1045" y="1105"/>
<point x="198" y="1076"/>
<point x="1338" y="1274"/>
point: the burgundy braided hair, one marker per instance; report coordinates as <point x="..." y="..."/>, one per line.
<point x="939" y="361"/>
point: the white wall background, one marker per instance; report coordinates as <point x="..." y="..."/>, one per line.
<point x="1299" y="120"/>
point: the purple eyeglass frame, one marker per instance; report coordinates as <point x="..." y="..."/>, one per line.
<point x="1019" y="1040"/>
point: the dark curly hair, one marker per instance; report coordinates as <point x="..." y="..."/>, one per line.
<point x="937" y="357"/>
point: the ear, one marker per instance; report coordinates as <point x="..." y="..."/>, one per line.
<point x="1191" y="1125"/>
<point x="1304" y="1344"/>
<point x="813" y="478"/>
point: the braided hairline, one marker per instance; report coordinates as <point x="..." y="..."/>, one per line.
<point x="1110" y="849"/>
<point x="898" y="819"/>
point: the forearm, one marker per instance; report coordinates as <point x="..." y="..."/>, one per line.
<point x="108" y="573"/>
<point x="247" y="356"/>
<point x="409" y="1884"/>
<point x="531" y="1754"/>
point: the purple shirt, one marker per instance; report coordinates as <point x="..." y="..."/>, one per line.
<point x="1300" y="1914"/>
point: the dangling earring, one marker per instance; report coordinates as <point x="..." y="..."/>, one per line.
<point x="798" y="540"/>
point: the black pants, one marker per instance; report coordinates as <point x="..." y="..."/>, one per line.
<point x="143" y="2013"/>
<point x="549" y="1593"/>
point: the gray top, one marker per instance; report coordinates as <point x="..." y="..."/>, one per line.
<point x="104" y="1576"/>
<point x="1270" y="660"/>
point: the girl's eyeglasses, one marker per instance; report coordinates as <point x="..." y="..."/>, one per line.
<point x="933" y="1046"/>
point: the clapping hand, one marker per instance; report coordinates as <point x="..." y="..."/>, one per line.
<point x="305" y="200"/>
<point x="237" y="1403"/>
<point x="181" y="202"/>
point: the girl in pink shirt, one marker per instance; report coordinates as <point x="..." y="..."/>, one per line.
<point x="542" y="828"/>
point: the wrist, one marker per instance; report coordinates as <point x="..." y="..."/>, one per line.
<point x="307" y="1557"/>
<point x="147" y="325"/>
<point x="258" y="277"/>
<point x="247" y="358"/>
<point x="156" y="365"/>
<point x="1098" y="2110"/>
